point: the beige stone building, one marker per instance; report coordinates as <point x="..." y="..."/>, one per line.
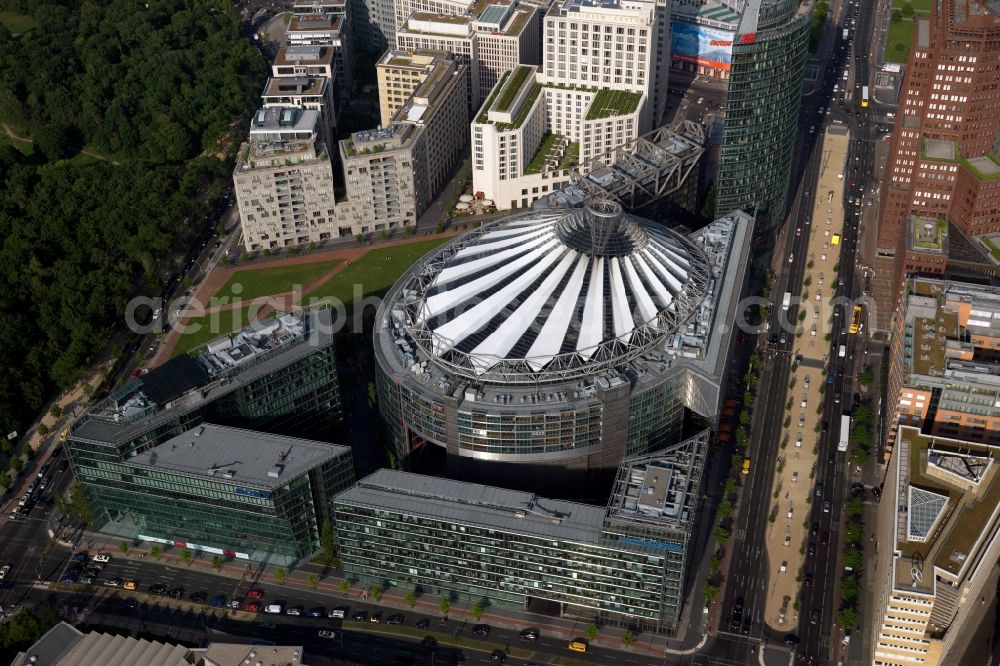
<point x="283" y="180"/>
<point x="400" y="72"/>
<point x="393" y="173"/>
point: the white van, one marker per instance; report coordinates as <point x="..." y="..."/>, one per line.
<point x="102" y="557"/>
<point x="842" y="352"/>
<point x="274" y="609"/>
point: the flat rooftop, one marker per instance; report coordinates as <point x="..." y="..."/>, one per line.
<point x="951" y="328"/>
<point x="204" y="374"/>
<point x="307" y="86"/>
<point x="236" y="456"/>
<point x="477" y="505"/>
<point x="315" y="22"/>
<point x="304" y="55"/>
<point x="949" y="495"/>
<point x="236" y="654"/>
<point x="928" y="234"/>
<point x="985" y="167"/>
<point x="276" y="120"/>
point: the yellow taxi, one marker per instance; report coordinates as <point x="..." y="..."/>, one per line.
<point x="578" y="645"/>
<point x="129" y="585"/>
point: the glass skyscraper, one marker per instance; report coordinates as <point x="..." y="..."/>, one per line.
<point x="240" y="493"/>
<point x="769" y="54"/>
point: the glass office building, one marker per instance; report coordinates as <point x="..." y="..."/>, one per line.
<point x="769" y="53"/>
<point x="245" y="494"/>
<point x="623" y="564"/>
<point x="276" y="376"/>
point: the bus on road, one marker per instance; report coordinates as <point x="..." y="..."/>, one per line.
<point x="845" y="429"/>
<point x="856" y="320"/>
<point x="864" y="97"/>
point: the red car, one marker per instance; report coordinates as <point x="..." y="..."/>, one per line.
<point x="255" y="594"/>
<point x="251" y="607"/>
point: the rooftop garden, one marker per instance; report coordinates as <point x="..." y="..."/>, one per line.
<point x="522" y="115"/>
<point x="570" y="158"/>
<point x="482" y="117"/>
<point x="931" y="240"/>
<point x="509" y="91"/>
<point x="609" y="103"/>
<point x="938" y="150"/>
<point x="983" y="168"/>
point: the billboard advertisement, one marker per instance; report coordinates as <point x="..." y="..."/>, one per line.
<point x="704" y="46"/>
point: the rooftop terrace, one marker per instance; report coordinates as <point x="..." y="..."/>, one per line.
<point x="610" y="103"/>
<point x="929" y="234"/>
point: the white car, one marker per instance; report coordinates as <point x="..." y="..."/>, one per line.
<point x="821" y="109"/>
<point x="274" y="609"/>
<point x="336" y="614"/>
<point x="326" y="633"/>
<point x="102" y="557"/>
<point x="812" y="129"/>
<point x="3" y="571"/>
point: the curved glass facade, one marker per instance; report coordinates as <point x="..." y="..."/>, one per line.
<point x="762" y="112"/>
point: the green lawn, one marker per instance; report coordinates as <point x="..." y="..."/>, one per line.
<point x="17" y="23"/>
<point x="898" y="40"/>
<point x="375" y="272"/>
<point x="213" y="326"/>
<point x="269" y="281"/>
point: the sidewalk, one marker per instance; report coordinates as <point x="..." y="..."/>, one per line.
<point x="392" y="599"/>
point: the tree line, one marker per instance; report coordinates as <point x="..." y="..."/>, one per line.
<point x="153" y="89"/>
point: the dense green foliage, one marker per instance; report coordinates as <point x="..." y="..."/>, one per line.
<point x="156" y="90"/>
<point x="24" y="629"/>
<point x="161" y="84"/>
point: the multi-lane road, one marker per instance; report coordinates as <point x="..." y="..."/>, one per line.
<point x="748" y="576"/>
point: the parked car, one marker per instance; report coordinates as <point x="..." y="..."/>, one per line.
<point x="395" y="618"/>
<point x="360" y="616"/>
<point x="199" y="597"/>
<point x="217" y="601"/>
<point x="294" y="610"/>
<point x="103" y="558"/>
<point x="87" y="580"/>
<point x="376" y="617"/>
<point x="326" y="633"/>
<point x="429" y="642"/>
<point x="176" y="593"/>
<point x="498" y="656"/>
<point x="251" y="607"/>
<point x="337" y="613"/>
<point x="255" y="594"/>
<point x="481" y="630"/>
<point x="530" y="634"/>
<point x="319" y="611"/>
<point x="423" y="623"/>
<point x="113" y="582"/>
<point x="158" y="588"/>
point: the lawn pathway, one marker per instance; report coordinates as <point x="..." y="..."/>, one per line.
<point x="218" y="278"/>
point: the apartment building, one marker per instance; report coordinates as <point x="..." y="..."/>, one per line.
<point x="507" y="36"/>
<point x="454" y="34"/>
<point x="404" y="8"/>
<point x="943" y="160"/>
<point x="400" y="73"/>
<point x="311" y="93"/>
<point x="393" y="173"/>
<point x="357" y="21"/>
<point x="528" y="135"/>
<point x="602" y="44"/>
<point x="330" y="30"/>
<point x="283" y="180"/>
